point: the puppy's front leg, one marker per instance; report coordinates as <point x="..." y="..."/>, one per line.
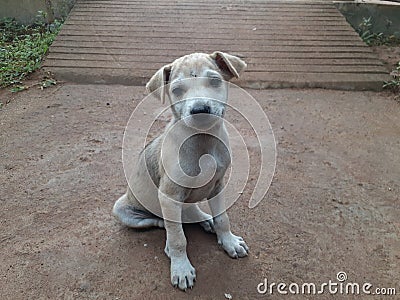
<point x="234" y="245"/>
<point x="183" y="274"/>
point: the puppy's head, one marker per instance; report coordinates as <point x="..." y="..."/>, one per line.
<point x="196" y="84"/>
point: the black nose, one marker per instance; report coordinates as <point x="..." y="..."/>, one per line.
<point x="202" y="109"/>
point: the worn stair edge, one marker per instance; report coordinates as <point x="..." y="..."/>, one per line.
<point x="261" y="67"/>
<point x="338" y="81"/>
<point x="251" y="60"/>
<point x="250" y="54"/>
<point x="115" y="36"/>
<point x="201" y="44"/>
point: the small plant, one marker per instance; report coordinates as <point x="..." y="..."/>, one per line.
<point x="22" y="48"/>
<point x="371" y="38"/>
<point x="394" y="84"/>
<point x="366" y="34"/>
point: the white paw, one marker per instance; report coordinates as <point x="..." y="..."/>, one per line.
<point x="234" y="245"/>
<point x="208" y="225"/>
<point x="183" y="275"/>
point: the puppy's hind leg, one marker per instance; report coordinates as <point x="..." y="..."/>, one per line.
<point x="133" y="217"/>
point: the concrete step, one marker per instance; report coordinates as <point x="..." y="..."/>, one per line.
<point x="252" y="60"/>
<point x="285" y="43"/>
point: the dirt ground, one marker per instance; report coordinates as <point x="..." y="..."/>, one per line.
<point x="389" y="55"/>
<point x="333" y="205"/>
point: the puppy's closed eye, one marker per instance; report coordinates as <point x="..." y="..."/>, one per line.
<point x="178" y="91"/>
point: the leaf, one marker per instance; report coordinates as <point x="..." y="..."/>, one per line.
<point x="48" y="82"/>
<point x="18" y="88"/>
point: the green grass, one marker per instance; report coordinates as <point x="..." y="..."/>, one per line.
<point x="22" y="48"/>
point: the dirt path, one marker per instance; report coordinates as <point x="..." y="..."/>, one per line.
<point x="333" y="205"/>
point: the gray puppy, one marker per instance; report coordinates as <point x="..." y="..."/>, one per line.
<point x="187" y="163"/>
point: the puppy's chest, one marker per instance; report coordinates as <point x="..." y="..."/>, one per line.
<point x="215" y="171"/>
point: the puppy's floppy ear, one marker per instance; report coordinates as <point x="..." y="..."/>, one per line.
<point x="230" y="65"/>
<point x="158" y="81"/>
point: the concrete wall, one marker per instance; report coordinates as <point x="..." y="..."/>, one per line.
<point x="25" y="11"/>
<point x="385" y="16"/>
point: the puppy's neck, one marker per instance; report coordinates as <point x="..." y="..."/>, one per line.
<point x="179" y="125"/>
<point x="199" y="141"/>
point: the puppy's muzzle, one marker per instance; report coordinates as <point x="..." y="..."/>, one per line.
<point x="201" y="109"/>
<point x="204" y="106"/>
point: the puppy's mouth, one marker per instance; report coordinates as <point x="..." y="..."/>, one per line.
<point x="202" y="119"/>
<point x="202" y="110"/>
